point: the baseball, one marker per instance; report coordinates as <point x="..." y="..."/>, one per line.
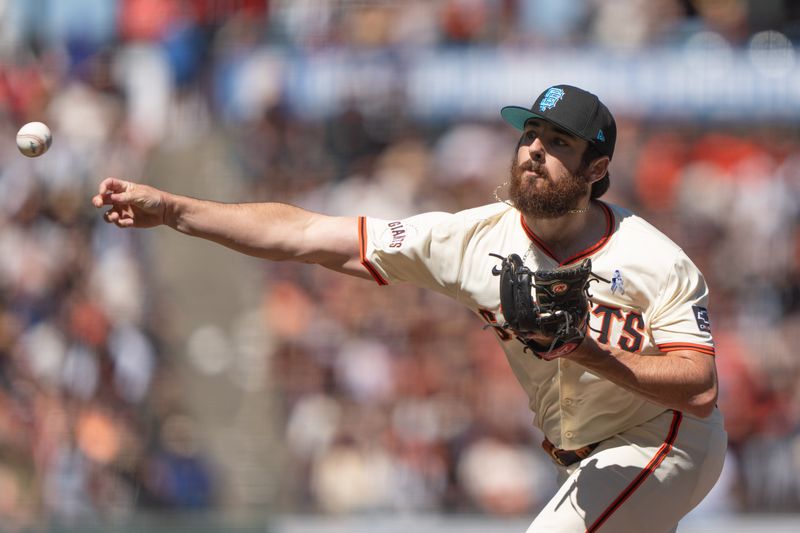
<point x="34" y="138"/>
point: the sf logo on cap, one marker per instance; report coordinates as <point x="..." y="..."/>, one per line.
<point x="551" y="98"/>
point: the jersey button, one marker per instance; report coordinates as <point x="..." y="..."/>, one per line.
<point x="568" y="401"/>
<point x="569" y="434"/>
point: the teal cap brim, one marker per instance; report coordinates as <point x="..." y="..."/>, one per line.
<point x="517" y="116"/>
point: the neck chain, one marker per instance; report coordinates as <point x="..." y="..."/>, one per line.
<point x="530" y="246"/>
<point x="497" y="197"/>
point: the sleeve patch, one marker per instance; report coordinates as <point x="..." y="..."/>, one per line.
<point x="701" y="316"/>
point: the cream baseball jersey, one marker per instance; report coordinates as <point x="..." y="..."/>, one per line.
<point x="655" y="301"/>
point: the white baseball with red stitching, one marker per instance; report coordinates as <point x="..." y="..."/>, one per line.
<point x="34" y="138"/>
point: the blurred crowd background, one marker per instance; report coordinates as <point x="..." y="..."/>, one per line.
<point x="142" y="373"/>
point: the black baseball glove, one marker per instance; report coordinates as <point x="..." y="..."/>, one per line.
<point x="551" y="304"/>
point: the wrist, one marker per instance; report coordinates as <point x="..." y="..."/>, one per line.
<point x="587" y="351"/>
<point x="547" y="352"/>
<point x="170" y="210"/>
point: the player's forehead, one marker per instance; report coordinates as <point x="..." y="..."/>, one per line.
<point x="541" y="125"/>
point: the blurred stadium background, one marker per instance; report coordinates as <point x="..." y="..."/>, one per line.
<point x="153" y="382"/>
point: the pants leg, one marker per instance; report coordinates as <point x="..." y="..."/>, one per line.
<point x="644" y="479"/>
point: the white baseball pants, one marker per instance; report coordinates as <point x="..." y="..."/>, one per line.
<point x="642" y="480"/>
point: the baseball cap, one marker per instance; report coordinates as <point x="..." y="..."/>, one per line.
<point x="576" y="111"/>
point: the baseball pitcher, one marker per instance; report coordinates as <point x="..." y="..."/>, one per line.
<point x="602" y="318"/>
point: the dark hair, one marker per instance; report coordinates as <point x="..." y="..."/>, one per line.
<point x="600" y="186"/>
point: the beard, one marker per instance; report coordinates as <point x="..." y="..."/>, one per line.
<point x="551" y="199"/>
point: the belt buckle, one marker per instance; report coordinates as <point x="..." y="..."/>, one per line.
<point x="552" y="451"/>
<point x="567" y="457"/>
<point x="557" y="458"/>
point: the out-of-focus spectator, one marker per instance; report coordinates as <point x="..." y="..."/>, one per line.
<point x="177" y="475"/>
<point x="505" y="478"/>
<point x="551" y="23"/>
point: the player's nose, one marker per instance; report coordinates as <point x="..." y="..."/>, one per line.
<point x="536" y="149"/>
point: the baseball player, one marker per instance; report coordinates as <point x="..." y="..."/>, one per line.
<point x="628" y="412"/>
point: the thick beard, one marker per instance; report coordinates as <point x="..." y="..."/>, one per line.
<point x="554" y="198"/>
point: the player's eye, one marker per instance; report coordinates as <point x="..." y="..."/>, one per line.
<point x="529" y="136"/>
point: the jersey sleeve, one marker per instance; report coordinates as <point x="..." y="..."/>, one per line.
<point x="679" y="318"/>
<point x="425" y="250"/>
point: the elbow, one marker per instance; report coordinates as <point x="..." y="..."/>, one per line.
<point x="701" y="386"/>
<point x="702" y="405"/>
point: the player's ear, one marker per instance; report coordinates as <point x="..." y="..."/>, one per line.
<point x="597" y="169"/>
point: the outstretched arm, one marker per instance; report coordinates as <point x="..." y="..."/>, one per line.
<point x="274" y="231"/>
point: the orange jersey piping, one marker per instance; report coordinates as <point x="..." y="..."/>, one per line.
<point x="675" y="346"/>
<point x="362" y="252"/>
<point x="580" y="255"/>
<point x="659" y="457"/>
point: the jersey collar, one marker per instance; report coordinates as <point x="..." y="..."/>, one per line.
<point x="582" y="254"/>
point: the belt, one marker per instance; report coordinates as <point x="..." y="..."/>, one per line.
<point x="567" y="457"/>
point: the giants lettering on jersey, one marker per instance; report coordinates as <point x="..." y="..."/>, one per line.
<point x="622" y="327"/>
<point x="398" y="234"/>
<point x="629" y="337"/>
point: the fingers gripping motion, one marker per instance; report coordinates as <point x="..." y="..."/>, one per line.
<point x="133" y="205"/>
<point x="548" y="310"/>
